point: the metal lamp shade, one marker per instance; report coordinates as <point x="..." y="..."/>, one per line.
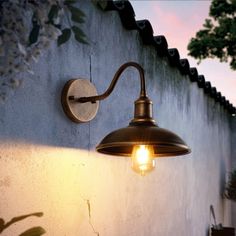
<point x="121" y="142"/>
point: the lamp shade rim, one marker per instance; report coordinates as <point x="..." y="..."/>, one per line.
<point x="121" y="142"/>
<point x="105" y="149"/>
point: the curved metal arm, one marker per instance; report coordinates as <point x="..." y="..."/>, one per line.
<point x="114" y="81"/>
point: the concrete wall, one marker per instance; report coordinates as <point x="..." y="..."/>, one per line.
<point x="49" y="164"/>
<point x="233" y="154"/>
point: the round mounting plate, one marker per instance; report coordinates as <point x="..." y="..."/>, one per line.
<point x="79" y="112"/>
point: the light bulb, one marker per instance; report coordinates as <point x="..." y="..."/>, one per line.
<point x="143" y="159"/>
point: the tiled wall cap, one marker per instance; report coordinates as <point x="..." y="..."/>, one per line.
<point x="207" y="87"/>
<point x="146" y="32"/>
<point x="222" y="101"/>
<point x="184" y="66"/>
<point x="127" y="16"/>
<point x="173" y="56"/>
<point x="218" y="96"/>
<point x="193" y="74"/>
<point x="161" y="45"/>
<point x="201" y="81"/>
<point x="213" y="92"/>
<point x="227" y="104"/>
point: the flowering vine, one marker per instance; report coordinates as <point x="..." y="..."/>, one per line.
<point x="27" y="28"/>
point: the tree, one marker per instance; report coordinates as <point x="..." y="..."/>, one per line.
<point x="217" y="39"/>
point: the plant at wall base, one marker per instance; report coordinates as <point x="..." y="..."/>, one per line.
<point x="34" y="231"/>
<point x="231" y="186"/>
<point x="27" y="28"/>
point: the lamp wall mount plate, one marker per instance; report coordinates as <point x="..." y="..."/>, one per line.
<point x="79" y="112"/>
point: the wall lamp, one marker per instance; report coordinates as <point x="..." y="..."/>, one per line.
<point x="142" y="140"/>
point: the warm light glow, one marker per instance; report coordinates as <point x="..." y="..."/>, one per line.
<point x="143" y="159"/>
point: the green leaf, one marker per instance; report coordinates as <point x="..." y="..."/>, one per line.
<point x="102" y="4"/>
<point x="33" y="37"/>
<point x="77" y="18"/>
<point x="80" y="39"/>
<point x="76" y="14"/>
<point x="78" y="31"/>
<point x="64" y="37"/>
<point x="69" y="2"/>
<point x="35" y="231"/>
<point x="76" y="10"/>
<point x="79" y="35"/>
<point x="53" y="13"/>
<point x="218" y="36"/>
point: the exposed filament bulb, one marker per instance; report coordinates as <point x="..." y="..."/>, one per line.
<point x="143" y="159"/>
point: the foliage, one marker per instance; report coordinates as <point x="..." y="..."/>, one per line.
<point x="231" y="186"/>
<point x="27" y="28"/>
<point x="34" y="231"/>
<point x="217" y="39"/>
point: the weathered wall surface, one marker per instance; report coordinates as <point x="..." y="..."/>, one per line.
<point x="233" y="154"/>
<point x="49" y="164"/>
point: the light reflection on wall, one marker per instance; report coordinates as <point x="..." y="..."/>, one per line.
<point x="53" y="180"/>
<point x="79" y="192"/>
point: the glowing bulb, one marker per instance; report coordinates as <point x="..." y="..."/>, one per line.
<point x="143" y="159"/>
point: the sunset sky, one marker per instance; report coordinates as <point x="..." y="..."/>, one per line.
<point x="178" y="21"/>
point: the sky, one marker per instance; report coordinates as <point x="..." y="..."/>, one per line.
<point x="178" y="21"/>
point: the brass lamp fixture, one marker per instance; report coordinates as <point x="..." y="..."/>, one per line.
<point x="142" y="140"/>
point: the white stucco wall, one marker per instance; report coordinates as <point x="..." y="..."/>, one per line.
<point x="49" y="164"/>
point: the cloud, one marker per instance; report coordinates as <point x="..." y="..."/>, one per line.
<point x="178" y="22"/>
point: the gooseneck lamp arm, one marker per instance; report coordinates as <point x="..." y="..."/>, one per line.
<point x="116" y="77"/>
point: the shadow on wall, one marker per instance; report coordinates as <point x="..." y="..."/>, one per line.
<point x="34" y="231"/>
<point x="222" y="177"/>
<point x="41" y="120"/>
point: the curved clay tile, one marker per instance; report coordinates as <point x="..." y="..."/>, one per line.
<point x="184" y="66"/>
<point x="173" y="56"/>
<point x="161" y="45"/>
<point x="193" y="74"/>
<point x="213" y="92"/>
<point x="145" y="30"/>
<point x="201" y="81"/>
<point x="207" y="87"/>
<point x="218" y="96"/>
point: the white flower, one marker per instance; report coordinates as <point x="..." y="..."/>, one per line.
<point x="21" y="48"/>
<point x="56" y="20"/>
<point x="53" y="32"/>
<point x="15" y="83"/>
<point x="41" y="14"/>
<point x="30" y="71"/>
